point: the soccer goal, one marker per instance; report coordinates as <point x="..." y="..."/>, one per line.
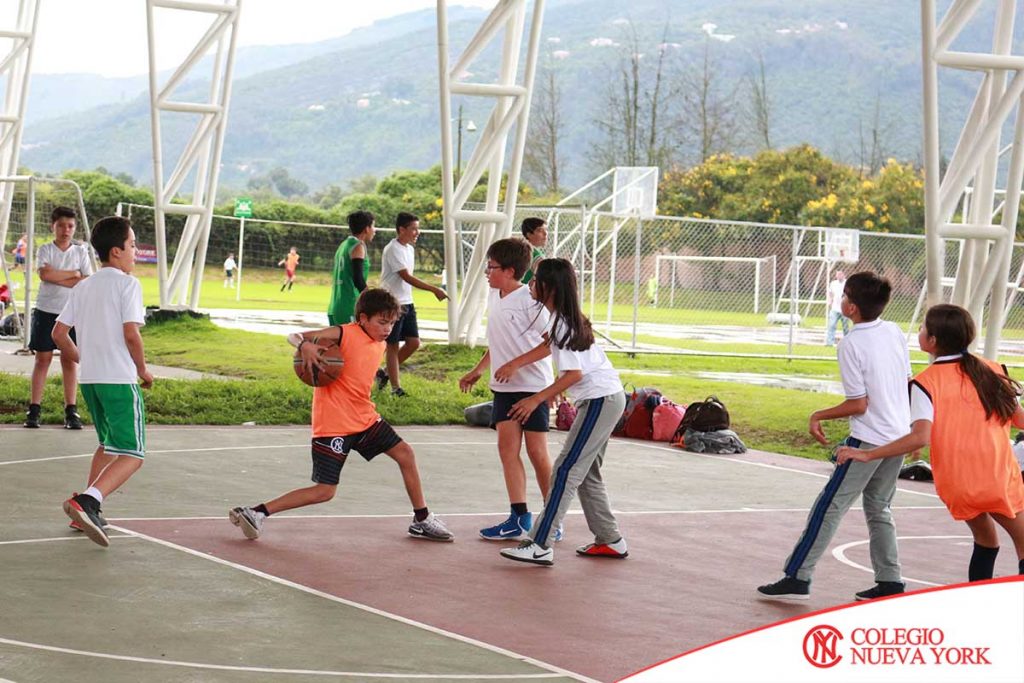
<point x="758" y="276"/>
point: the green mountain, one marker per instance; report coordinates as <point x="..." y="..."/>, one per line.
<point x="369" y="103"/>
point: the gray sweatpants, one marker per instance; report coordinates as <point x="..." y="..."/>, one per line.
<point x="876" y="480"/>
<point x="578" y="467"/>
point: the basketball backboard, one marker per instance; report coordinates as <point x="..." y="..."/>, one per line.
<point x="635" y="191"/>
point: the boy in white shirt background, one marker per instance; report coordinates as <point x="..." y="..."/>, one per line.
<point x="61" y="264"/>
<point x="834" y="308"/>
<point x="515" y="326"/>
<point x="396" y="267"/>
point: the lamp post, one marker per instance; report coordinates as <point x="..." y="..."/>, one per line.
<point x="470" y="128"/>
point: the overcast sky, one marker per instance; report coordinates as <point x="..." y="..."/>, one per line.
<point x="108" y="37"/>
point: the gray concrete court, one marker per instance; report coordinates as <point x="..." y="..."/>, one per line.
<point x="175" y="599"/>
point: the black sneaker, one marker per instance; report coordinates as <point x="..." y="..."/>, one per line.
<point x="881" y="590"/>
<point x="32" y="416"/>
<point x="399" y="392"/>
<point x="86" y="511"/>
<point x="788" y="588"/>
<point x="72" y="420"/>
<point x="382" y="379"/>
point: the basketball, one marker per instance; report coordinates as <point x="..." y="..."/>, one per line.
<point x="319" y="377"/>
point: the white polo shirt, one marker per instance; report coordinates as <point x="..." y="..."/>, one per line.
<point x="835" y="293"/>
<point x="516" y="324"/>
<point x="98" y="308"/>
<point x="52" y="298"/>
<point x="874" y="362"/>
<point x="397" y="257"/>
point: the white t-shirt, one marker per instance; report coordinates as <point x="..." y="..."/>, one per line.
<point x="229" y="264"/>
<point x="98" y="309"/>
<point x="835" y="293"/>
<point x="397" y="257"/>
<point x="599" y="376"/>
<point x="52" y="298"/>
<point x="921" y="407"/>
<point x="515" y="325"/>
<point x="874" y="362"/>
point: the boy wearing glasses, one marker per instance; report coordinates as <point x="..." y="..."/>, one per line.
<point x="515" y="325"/>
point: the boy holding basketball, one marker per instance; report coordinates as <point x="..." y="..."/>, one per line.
<point x="344" y="418"/>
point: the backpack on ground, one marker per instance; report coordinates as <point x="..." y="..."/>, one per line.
<point x="640" y="420"/>
<point x="709" y="415"/>
<point x="479" y="415"/>
<point x="667" y="416"/>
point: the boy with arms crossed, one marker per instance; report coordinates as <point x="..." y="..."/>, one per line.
<point x="515" y="325"/>
<point x="344" y="418"/>
<point x="61" y="265"/>
<point x="106" y="311"/>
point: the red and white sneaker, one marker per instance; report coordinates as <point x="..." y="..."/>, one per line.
<point x="616" y="550"/>
<point x="85" y="511"/>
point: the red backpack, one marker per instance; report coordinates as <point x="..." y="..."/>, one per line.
<point x="638" y="418"/>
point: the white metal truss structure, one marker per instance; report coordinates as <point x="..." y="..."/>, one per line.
<point x="201" y="156"/>
<point x="15" y="71"/>
<point x="511" y="108"/>
<point x="984" y="266"/>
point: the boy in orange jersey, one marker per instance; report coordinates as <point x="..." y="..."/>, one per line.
<point x="344" y="418"/>
<point x="290" y="263"/>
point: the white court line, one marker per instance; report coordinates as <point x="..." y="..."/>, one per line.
<point x="505" y="512"/>
<point x="235" y="448"/>
<point x="49" y="540"/>
<point x="269" y="670"/>
<point x="759" y="464"/>
<point x="366" y="608"/>
<point x="840" y="554"/>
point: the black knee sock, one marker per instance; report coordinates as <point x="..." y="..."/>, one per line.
<point x="262" y="508"/>
<point x="983" y="562"/>
<point x="1020" y="567"/>
<point x="290" y="286"/>
<point x="520" y="508"/>
<point x="421" y="514"/>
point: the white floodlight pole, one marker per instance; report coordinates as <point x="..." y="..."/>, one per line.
<point x="16" y="68"/>
<point x="202" y="153"/>
<point x="511" y="108"/>
<point x="984" y="268"/>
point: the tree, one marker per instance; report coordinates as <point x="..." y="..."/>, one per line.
<point x="760" y="104"/>
<point x="541" y="160"/>
<point x="708" y="112"/>
<point x="637" y="106"/>
<point x="874" y="143"/>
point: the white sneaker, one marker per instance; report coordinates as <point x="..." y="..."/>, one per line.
<point x="528" y="551"/>
<point x="431" y="529"/>
<point x="248" y="520"/>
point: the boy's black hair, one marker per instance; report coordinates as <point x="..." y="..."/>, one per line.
<point x="869" y="293"/>
<point x="359" y="221"/>
<point x="108" y="233"/>
<point x="531" y="224"/>
<point x="375" y="301"/>
<point x="62" y="212"/>
<point x="403" y="219"/>
<point x="511" y="252"/>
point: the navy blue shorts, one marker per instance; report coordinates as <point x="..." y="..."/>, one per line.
<point x="406" y="327"/>
<point x="539" y="420"/>
<point x="330" y="452"/>
<point x="41" y="338"/>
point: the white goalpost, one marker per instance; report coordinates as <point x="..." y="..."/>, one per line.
<point x="762" y="264"/>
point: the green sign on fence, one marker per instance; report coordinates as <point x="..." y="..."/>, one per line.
<point x="243" y="207"/>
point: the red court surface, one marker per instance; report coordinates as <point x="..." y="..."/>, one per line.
<point x="689" y="580"/>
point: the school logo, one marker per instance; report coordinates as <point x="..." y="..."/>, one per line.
<point x="338" y="444"/>
<point x="821" y="646"/>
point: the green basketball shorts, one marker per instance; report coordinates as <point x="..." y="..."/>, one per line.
<point x="119" y="415"/>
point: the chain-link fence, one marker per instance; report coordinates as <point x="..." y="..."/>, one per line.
<point x="27" y="228"/>
<point x="726" y="287"/>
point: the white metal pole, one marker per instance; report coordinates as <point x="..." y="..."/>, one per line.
<point x="611" y="283"/>
<point x="757" y="285"/>
<point x="447" y="191"/>
<point x="636" y="275"/>
<point x="30" y="218"/>
<point x="930" y="77"/>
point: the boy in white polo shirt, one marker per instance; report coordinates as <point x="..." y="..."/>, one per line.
<point x="61" y="264"/>
<point x="875" y="368"/>
<point x="515" y="325"/>
<point x="106" y="310"/>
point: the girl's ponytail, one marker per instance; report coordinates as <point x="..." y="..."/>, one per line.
<point x="953" y="330"/>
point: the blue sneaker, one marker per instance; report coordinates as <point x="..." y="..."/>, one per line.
<point x="514" y="528"/>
